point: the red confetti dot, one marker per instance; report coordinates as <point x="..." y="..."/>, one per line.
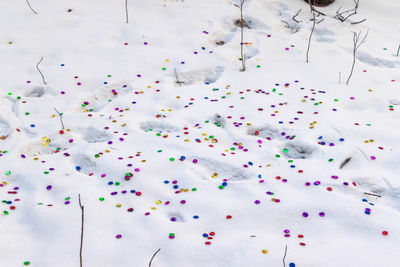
<point x="229" y="217"/>
<point x="212" y="233"/>
<point x="385" y="233"/>
<point x="12" y="208"/>
<point x="300" y="236"/>
<point x="302" y="244"/>
<point x="208" y="243"/>
<point x="61" y="132"/>
<point x="329" y="188"/>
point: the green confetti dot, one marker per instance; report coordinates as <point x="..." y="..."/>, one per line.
<point x="336" y="99"/>
<point x="67" y="198"/>
<point x="274" y="90"/>
<point x="26" y="263"/>
<point x="46" y="172"/>
<point x="9" y="93"/>
<point x="258" y="66"/>
<point x="171" y="159"/>
<point x="96" y="155"/>
<point x="108" y="75"/>
<point x="101" y="198"/>
<point x="158" y="134"/>
<point x="159" y="151"/>
<point x="277" y="155"/>
<point x="171" y="234"/>
<point x="194" y="189"/>
<point x="163" y="68"/>
<point x="149" y="130"/>
<point x="285" y="150"/>
<point x="206" y="121"/>
<point x="83" y="105"/>
<point x="290" y="161"/>
<point x="27" y="113"/>
<point x="6" y="212"/>
<point x="330" y="160"/>
<point x="8" y="172"/>
<point x="221" y="187"/>
<point x="117" y="183"/>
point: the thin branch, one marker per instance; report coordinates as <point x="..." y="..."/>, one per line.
<point x="154" y="256"/>
<point x="345" y="161"/>
<point x="309" y="39"/>
<point x="356" y="44"/>
<point x="41" y="74"/>
<point x="286" y="24"/>
<point x="398" y="50"/>
<point x="375" y="195"/>
<point x="60" y="115"/>
<point x="342" y="17"/>
<point x="177" y="80"/>
<point x="284" y="257"/>
<point x="27" y="1"/>
<point x="126" y="11"/>
<point x="340" y="76"/>
<point x="82" y="228"/>
<point x="358" y="22"/>
<point x="294" y="17"/>
<point x="241" y="37"/>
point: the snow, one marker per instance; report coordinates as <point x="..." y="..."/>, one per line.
<point x="254" y="156"/>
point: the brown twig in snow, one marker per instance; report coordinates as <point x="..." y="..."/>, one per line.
<point x="357" y="42"/>
<point x="358" y="22"/>
<point x="126" y="11"/>
<point x="241" y="37"/>
<point x="154" y="256"/>
<point x="294" y="17"/>
<point x="82" y="228"/>
<point x="41" y="74"/>
<point x="345" y="161"/>
<point x="27" y="1"/>
<point x="177" y="80"/>
<point x="375" y="195"/>
<point x="398" y="50"/>
<point x="309" y="39"/>
<point x="284" y="257"/>
<point x="60" y="115"/>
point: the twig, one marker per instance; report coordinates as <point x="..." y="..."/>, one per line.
<point x="41" y="74"/>
<point x="398" y="50"/>
<point x="345" y="161"/>
<point x="294" y="17"/>
<point x="358" y="22"/>
<point x="375" y="195"/>
<point x="286" y="24"/>
<point x="313" y="9"/>
<point x="60" y="115"/>
<point x="126" y="11"/>
<point x="177" y="80"/>
<point x="82" y="228"/>
<point x="340" y="76"/>
<point x="356" y="44"/>
<point x="340" y="16"/>
<point x="284" y="257"/>
<point x="27" y="1"/>
<point x="154" y="256"/>
<point x="309" y="39"/>
<point x="241" y="37"/>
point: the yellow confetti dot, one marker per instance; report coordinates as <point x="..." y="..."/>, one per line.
<point x="118" y="205"/>
<point x="123" y="125"/>
<point x="203" y="134"/>
<point x="158" y="202"/>
<point x="167" y="60"/>
<point x="186" y="140"/>
<point x="214" y="175"/>
<point x="4" y="183"/>
<point x="178" y="97"/>
<point x="249" y="124"/>
<point x="44" y="144"/>
<point x="264" y="251"/>
<point x="153" y="208"/>
<point x="107" y="151"/>
<point x="53" y="116"/>
<point x="187" y="190"/>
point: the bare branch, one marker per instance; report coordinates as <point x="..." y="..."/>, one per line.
<point x="311" y="33"/>
<point x="126" y="11"/>
<point x="294" y="17"/>
<point x="356" y="44"/>
<point x="358" y="22"/>
<point x="27" y="1"/>
<point x="398" y="50"/>
<point x="154" y="256"/>
<point x="342" y="17"/>
<point x="347" y="160"/>
<point x="241" y="37"/>
<point x="375" y="195"/>
<point x="41" y="74"/>
<point x="60" y="116"/>
<point x="284" y="257"/>
<point x="82" y="228"/>
<point x="177" y="80"/>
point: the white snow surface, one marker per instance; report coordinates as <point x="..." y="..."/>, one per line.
<point x="266" y="132"/>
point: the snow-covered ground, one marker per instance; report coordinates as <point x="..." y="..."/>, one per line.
<point x="224" y="168"/>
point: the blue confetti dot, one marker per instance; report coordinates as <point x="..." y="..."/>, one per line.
<point x="292" y="264"/>
<point x="110" y="183"/>
<point x="166" y="182"/>
<point x="33" y="125"/>
<point x="195" y="217"/>
<point x="78" y="168"/>
<point x="205" y="235"/>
